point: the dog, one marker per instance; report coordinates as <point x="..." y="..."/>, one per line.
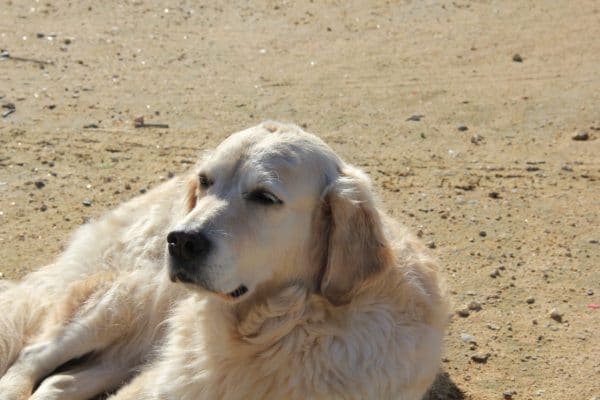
<point x="269" y="271"/>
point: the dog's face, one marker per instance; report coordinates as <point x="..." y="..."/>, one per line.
<point x="257" y="217"/>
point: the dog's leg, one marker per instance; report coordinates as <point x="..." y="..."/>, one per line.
<point x="84" y="382"/>
<point x="142" y="387"/>
<point x="40" y="359"/>
<point x="93" y="331"/>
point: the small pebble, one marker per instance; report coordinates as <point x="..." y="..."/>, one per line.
<point x="43" y="207"/>
<point x="483" y="233"/>
<point x="474" y="306"/>
<point x="590" y="292"/>
<point x="416" y="117"/>
<point x="495" y="273"/>
<point x="509" y="394"/>
<point x="87" y="203"/>
<point x="476" y="139"/>
<point x="464" y="313"/>
<point x="567" y="168"/>
<point x="431" y="244"/>
<point x="494" y="195"/>
<point x="39" y="184"/>
<point x="581" y="136"/>
<point x="467" y="338"/>
<point x="530" y="300"/>
<point x="480" y="357"/>
<point x="462" y="128"/>
<point x="517" y="58"/>
<point x="556" y="315"/>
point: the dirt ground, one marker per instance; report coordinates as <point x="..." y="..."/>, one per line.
<point x="463" y="112"/>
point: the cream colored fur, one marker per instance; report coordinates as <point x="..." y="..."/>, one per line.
<point x="342" y="303"/>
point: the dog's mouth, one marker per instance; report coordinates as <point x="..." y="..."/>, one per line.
<point x="239" y="292"/>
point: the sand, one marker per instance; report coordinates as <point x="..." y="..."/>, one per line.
<point x="463" y="113"/>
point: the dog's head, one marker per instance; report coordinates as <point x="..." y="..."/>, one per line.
<point x="273" y="205"/>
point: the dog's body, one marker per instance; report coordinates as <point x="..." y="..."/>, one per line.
<point x="314" y="293"/>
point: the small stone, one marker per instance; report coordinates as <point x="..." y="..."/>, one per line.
<point x="483" y="233"/>
<point x="517" y="58"/>
<point x="462" y="128"/>
<point x="556" y="315"/>
<point x="431" y="244"/>
<point x="530" y="300"/>
<point x="494" y="195"/>
<point x="87" y="203"/>
<point x="415" y="118"/>
<point x="495" y="273"/>
<point x="493" y="327"/>
<point x="467" y="338"/>
<point x="480" y="358"/>
<point x="127" y="186"/>
<point x="43" y="207"/>
<point x="476" y="139"/>
<point x="474" y="306"/>
<point x="67" y="41"/>
<point x="567" y="168"/>
<point x="509" y="394"/>
<point x="581" y="136"/>
<point x="39" y="184"/>
<point x="464" y="313"/>
<point x="589" y="292"/>
<point x="91" y="126"/>
<point x="40" y="35"/>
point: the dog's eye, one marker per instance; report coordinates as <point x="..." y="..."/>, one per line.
<point x="205" y="182"/>
<point x="262" y="197"/>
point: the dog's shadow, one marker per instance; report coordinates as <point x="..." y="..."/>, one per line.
<point x="444" y="388"/>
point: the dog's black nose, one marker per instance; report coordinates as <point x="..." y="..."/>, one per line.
<point x="187" y="245"/>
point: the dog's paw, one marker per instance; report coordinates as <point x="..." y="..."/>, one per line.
<point x="56" y="387"/>
<point x="14" y="386"/>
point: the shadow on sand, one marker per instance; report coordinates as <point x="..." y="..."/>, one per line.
<point x="444" y="389"/>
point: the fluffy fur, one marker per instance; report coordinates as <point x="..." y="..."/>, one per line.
<point x="339" y="301"/>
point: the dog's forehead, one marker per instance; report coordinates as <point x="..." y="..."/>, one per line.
<point x="285" y="148"/>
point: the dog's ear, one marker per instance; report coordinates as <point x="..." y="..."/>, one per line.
<point x="357" y="248"/>
<point x="191" y="193"/>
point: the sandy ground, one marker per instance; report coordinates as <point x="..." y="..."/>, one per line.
<point x="468" y="144"/>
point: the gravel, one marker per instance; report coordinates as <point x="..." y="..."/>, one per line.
<point x="464" y="313"/>
<point x="556" y="315"/>
<point x="580" y="136"/>
<point x="480" y="358"/>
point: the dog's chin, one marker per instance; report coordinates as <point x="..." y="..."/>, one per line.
<point x="233" y="296"/>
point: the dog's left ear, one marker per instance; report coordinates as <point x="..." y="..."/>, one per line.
<point x="357" y="248"/>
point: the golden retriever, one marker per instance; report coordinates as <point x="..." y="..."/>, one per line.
<point x="268" y="272"/>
